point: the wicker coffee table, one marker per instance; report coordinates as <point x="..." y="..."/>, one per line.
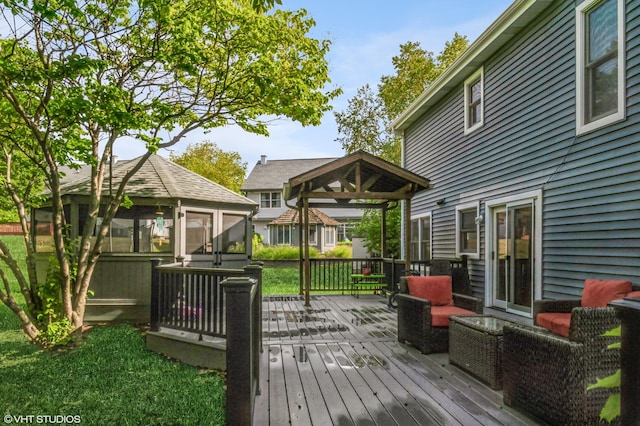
<point x="475" y="345"/>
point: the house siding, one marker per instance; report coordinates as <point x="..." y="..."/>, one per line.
<point x="590" y="183"/>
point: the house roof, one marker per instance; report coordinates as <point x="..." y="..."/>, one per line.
<point x="315" y="217"/>
<point x="273" y="174"/>
<point x="158" y="177"/>
<point x="503" y="29"/>
<point x="361" y="175"/>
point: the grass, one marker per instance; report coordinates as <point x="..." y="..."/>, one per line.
<point x="280" y="281"/>
<point x="109" y="377"/>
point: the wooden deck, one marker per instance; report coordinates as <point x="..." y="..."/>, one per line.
<point x="338" y="362"/>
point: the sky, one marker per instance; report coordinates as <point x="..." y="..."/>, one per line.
<point x="364" y="36"/>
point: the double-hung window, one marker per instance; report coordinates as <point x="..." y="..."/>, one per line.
<point x="270" y="200"/>
<point x="600" y="64"/>
<point x="474" y="101"/>
<point x="420" y="242"/>
<point x="468" y="230"/>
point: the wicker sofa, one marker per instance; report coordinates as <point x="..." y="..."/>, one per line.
<point x="547" y="374"/>
<point x="415" y="313"/>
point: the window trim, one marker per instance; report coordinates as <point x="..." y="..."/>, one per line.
<point x="463" y="208"/>
<point x="582" y="126"/>
<point x="467" y="100"/>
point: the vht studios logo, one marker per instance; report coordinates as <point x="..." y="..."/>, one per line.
<point x="42" y="419"/>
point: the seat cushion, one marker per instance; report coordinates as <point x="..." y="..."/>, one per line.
<point x="440" y="314"/>
<point x="633" y="294"/>
<point x="436" y="289"/>
<point x="598" y="293"/>
<point x="555" y="322"/>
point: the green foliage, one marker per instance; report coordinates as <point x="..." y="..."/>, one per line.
<point x="341" y="251"/>
<point x="55" y="327"/>
<point x="370" y="229"/>
<point x="282" y="252"/>
<point x="206" y="159"/>
<point x="126" y="203"/>
<point x="611" y="408"/>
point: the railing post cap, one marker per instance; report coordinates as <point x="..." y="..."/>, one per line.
<point x="238" y="284"/>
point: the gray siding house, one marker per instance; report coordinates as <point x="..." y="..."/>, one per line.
<point x="531" y="140"/>
<point x="265" y="186"/>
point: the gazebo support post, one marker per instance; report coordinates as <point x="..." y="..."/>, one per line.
<point x="383" y="231"/>
<point x="301" y="264"/>
<point x="307" y="260"/>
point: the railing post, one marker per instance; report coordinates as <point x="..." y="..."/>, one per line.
<point x="154" y="321"/>
<point x="241" y="376"/>
<point x="628" y="310"/>
<point x="255" y="270"/>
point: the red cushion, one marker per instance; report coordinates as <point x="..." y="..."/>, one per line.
<point x="555" y="322"/>
<point x="440" y="314"/>
<point x="436" y="289"/>
<point x="597" y="293"/>
<point x="633" y="294"/>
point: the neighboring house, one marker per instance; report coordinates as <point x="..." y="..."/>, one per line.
<point x="176" y="214"/>
<point x="265" y="186"/>
<point x="322" y="229"/>
<point x="531" y="140"/>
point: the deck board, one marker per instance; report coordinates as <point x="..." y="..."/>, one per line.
<point x="338" y="362"/>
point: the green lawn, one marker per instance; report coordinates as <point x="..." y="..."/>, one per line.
<point x="109" y="378"/>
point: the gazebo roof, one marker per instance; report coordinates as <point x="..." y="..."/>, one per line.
<point x="315" y="217"/>
<point x="157" y="178"/>
<point x="361" y="176"/>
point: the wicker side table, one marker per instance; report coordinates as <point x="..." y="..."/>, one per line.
<point x="475" y="345"/>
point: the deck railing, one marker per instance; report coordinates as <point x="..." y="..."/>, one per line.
<point x="334" y="275"/>
<point x="192" y="299"/>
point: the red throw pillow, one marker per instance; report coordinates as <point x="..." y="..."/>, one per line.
<point x="597" y="293"/>
<point x="436" y="289"/>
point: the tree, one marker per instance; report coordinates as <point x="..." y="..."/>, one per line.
<point x="365" y="123"/>
<point x="77" y="78"/>
<point x="206" y="159"/>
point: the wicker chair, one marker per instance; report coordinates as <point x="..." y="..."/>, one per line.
<point x="414" y="313"/>
<point x="548" y="374"/>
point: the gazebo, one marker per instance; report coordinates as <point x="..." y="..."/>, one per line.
<point x="362" y="177"/>
<point x="176" y="215"/>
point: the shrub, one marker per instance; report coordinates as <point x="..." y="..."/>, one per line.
<point x="342" y="251"/>
<point x="281" y="252"/>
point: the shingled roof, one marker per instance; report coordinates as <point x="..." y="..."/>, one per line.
<point x="273" y="174"/>
<point x="315" y="217"/>
<point x="157" y="178"/>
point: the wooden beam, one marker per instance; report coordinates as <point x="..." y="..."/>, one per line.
<point x="358" y="195"/>
<point x="349" y="205"/>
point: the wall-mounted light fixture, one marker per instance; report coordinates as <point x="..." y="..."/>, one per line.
<point x="440" y="202"/>
<point x="479" y="219"/>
